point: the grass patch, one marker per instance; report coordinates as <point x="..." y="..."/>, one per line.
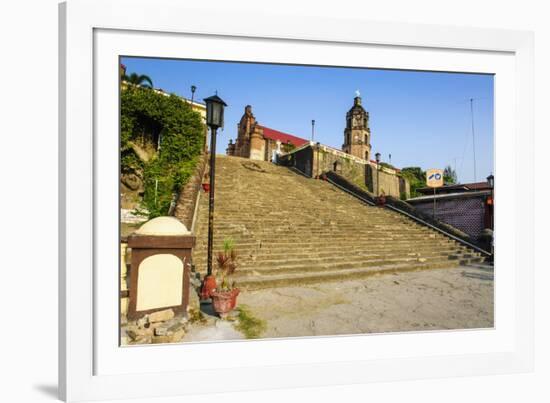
<point x="249" y="325"/>
<point x="196" y="316"/>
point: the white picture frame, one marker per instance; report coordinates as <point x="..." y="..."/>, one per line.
<point x="92" y="366"/>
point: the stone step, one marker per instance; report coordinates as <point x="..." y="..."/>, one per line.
<point x="252" y="245"/>
<point x="298" y="279"/>
<point x="335" y="250"/>
<point x="237" y="223"/>
<point x="293" y="265"/>
<point x="274" y="229"/>
<point x="290" y="229"/>
<point x="309" y="265"/>
<point x="266" y="257"/>
<point x="310" y="220"/>
<point x="279" y="237"/>
<point x="306" y="235"/>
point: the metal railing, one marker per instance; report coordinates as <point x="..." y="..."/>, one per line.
<point x="411" y="216"/>
<point x="371" y="202"/>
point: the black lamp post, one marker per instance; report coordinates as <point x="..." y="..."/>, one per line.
<point x="377" y="155"/>
<point x="312" y="129"/>
<point x="317" y="147"/>
<point x="214" y="119"/>
<point x="491" y="181"/>
<point x="193" y="89"/>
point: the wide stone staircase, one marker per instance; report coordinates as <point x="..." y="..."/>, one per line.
<point x="292" y="230"/>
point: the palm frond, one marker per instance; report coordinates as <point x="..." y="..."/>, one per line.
<point x="145" y="79"/>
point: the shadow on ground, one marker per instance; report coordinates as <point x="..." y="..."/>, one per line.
<point x="48" y="390"/>
<point x="485" y="273"/>
<point x="208" y="309"/>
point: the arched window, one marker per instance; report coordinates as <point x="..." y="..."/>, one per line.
<point x="367" y="155"/>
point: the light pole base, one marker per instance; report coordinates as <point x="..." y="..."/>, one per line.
<point x="208" y="285"/>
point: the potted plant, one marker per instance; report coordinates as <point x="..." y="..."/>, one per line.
<point x="224" y="298"/>
<point x="206" y="183"/>
<point x="208" y="285"/>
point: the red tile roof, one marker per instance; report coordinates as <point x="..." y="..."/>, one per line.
<point x="461" y="187"/>
<point x="477" y="186"/>
<point x="283" y="137"/>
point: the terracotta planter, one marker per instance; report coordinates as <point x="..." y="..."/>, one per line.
<point x="381" y="201"/>
<point x="206" y="187"/>
<point x="224" y="301"/>
<point x="208" y="285"/>
<point x="235" y="292"/>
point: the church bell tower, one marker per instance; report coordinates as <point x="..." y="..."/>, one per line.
<point x="357" y="132"/>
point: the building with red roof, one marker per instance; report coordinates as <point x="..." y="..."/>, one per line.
<point x="259" y="142"/>
<point x="284" y="138"/>
<point x="468" y="207"/>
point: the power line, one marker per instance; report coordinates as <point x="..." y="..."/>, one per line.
<point x="473" y="136"/>
<point x="467" y="140"/>
<point x="466" y="143"/>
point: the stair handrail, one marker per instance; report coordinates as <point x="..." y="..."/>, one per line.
<point x="327" y="176"/>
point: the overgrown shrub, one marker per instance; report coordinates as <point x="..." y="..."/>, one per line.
<point x="416" y="177"/>
<point x="149" y="118"/>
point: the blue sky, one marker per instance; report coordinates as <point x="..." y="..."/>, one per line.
<point x="420" y="118"/>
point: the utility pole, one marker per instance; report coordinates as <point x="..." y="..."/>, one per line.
<point x="473" y="136"/>
<point x="433" y="213"/>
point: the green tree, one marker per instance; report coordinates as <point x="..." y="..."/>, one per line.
<point x="449" y="176"/>
<point x="416" y="177"/>
<point x="141" y="80"/>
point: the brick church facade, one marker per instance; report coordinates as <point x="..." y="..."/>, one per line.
<point x="258" y="142"/>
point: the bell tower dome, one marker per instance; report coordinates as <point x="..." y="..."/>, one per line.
<point x="357" y="131"/>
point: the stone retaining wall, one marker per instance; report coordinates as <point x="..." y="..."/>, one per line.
<point x="187" y="199"/>
<point x="390" y="183"/>
<point x="316" y="159"/>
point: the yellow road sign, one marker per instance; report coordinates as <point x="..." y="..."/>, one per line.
<point x="434" y="178"/>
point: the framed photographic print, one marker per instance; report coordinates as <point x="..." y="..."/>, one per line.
<point x="267" y="209"/>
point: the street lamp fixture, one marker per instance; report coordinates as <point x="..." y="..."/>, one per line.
<point x="491" y="181"/>
<point x="214" y="119"/>
<point x="377" y="156"/>
<point x="193" y="89"/>
<point x="214" y="111"/>
<point x="312" y="129"/>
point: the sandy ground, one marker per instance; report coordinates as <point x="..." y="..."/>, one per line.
<point x="454" y="298"/>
